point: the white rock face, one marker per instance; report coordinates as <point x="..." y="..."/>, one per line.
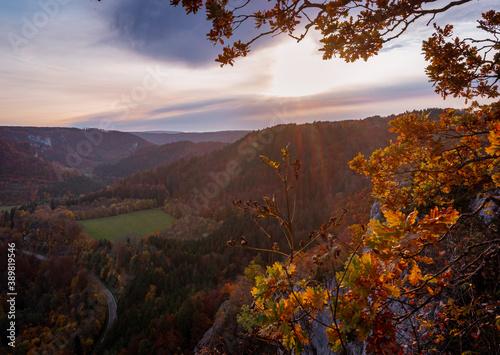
<point x="376" y="212"/>
<point x="318" y="344"/>
<point x="39" y="143"/>
<point x="491" y="209"/>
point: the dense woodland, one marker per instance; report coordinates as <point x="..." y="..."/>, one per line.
<point x="324" y="148"/>
<point x="59" y="303"/>
<point x="152" y="156"/>
<point x="170" y="285"/>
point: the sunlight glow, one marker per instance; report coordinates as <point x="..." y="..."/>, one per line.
<point x="299" y="70"/>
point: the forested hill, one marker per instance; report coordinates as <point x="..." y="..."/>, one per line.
<point x="17" y="162"/>
<point x="20" y="171"/>
<point x="150" y="157"/>
<point x="206" y="183"/>
<point x="79" y="149"/>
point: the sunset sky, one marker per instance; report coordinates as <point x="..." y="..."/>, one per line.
<point x="137" y="65"/>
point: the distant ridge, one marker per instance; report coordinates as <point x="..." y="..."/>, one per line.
<point x="152" y="156"/>
<point x="171" y="132"/>
<point x="79" y="149"/>
<point x="161" y="138"/>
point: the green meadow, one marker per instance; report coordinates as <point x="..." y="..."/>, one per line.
<point x="142" y="223"/>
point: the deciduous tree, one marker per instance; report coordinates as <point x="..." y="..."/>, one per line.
<point x="355" y="30"/>
<point x="422" y="280"/>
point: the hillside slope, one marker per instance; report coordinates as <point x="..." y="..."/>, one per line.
<point x="18" y="162"/>
<point x="150" y="157"/>
<point x="21" y="172"/>
<point x="205" y="184"/>
<point x="80" y="149"/>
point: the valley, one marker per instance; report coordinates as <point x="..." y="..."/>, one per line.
<point x="183" y="232"/>
<point x="151" y="223"/>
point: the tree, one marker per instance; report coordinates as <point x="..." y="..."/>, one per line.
<point x="459" y="68"/>
<point x="396" y="281"/>
<point x="441" y="175"/>
<point x="350" y="29"/>
<point x="424" y="279"/>
<point x="281" y="297"/>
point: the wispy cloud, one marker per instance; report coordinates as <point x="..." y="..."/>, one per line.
<point x="87" y="56"/>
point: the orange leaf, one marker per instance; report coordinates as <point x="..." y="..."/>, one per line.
<point x="415" y="275"/>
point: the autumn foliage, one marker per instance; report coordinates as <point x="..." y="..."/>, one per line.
<point x="422" y="278"/>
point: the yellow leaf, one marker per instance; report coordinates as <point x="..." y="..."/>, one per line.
<point x="431" y="291"/>
<point x="496" y="179"/>
<point x="415" y="275"/>
<point x="494" y="137"/>
<point x="393" y="218"/>
<point x="393" y="290"/>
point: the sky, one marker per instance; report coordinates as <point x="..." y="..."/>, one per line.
<point x="143" y="65"/>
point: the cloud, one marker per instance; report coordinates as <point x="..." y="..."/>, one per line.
<point x="255" y="112"/>
<point x="75" y="69"/>
<point x="195" y="105"/>
<point x="159" y="30"/>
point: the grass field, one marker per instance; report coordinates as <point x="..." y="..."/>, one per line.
<point x="142" y="223"/>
